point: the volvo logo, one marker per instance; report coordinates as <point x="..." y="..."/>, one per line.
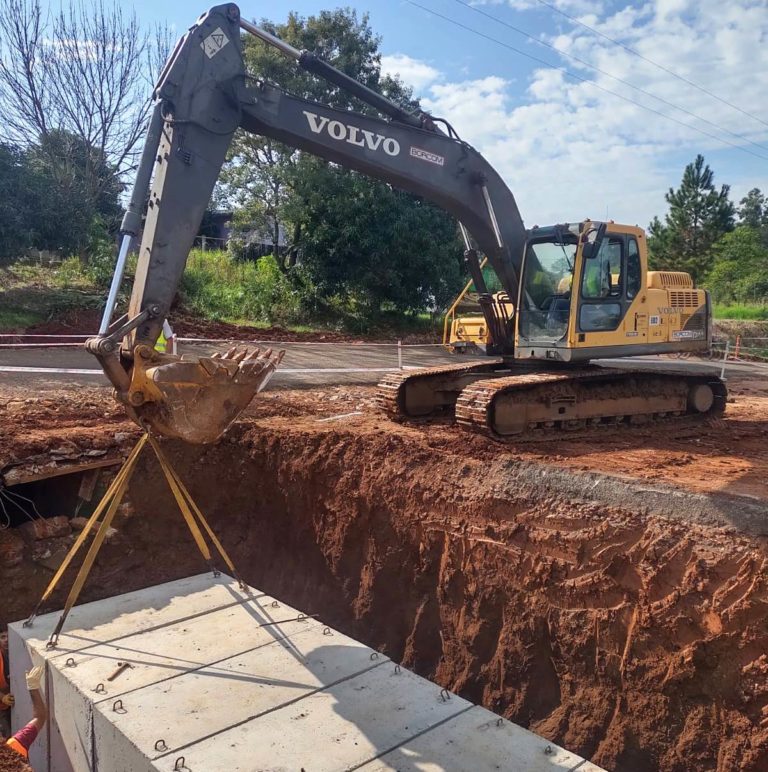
<point x="344" y="132"/>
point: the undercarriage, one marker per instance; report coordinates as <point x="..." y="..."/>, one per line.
<point x="513" y="400"/>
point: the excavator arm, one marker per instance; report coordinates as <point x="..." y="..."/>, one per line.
<point x="203" y="96"/>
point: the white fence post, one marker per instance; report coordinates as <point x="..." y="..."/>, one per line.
<point x="400" y="354"/>
<point x="725" y="359"/>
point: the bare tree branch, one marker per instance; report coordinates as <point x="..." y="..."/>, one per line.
<point x="84" y="71"/>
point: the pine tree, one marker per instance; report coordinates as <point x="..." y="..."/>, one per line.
<point x="698" y="216"/>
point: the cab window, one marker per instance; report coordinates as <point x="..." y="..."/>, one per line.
<point x="602" y="276"/>
<point x="602" y="286"/>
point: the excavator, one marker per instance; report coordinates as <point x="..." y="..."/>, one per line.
<point x="571" y="293"/>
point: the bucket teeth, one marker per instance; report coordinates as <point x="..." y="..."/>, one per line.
<point x="196" y="400"/>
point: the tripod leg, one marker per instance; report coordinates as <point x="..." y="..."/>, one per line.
<point x="181" y="500"/>
<point x="93" y="551"/>
<point x="177" y="484"/>
<point x="113" y="486"/>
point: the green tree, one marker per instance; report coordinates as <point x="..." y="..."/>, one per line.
<point x="256" y="179"/>
<point x="698" y="216"/>
<point x="15" y="225"/>
<point x="740" y="272"/>
<point x="358" y="239"/>
<point x="69" y="215"/>
<point x="373" y="247"/>
<point x="753" y="209"/>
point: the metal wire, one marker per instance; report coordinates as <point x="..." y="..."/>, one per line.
<point x="7" y="524"/>
<point x="24" y="498"/>
<point x="5" y="494"/>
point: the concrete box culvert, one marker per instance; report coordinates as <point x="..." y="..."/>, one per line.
<point x="224" y="680"/>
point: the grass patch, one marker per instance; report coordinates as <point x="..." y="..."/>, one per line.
<point x="32" y="294"/>
<point x="216" y="286"/>
<point x="15" y="319"/>
<point x="741" y="311"/>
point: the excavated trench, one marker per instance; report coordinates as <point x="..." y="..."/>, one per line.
<point x="634" y="640"/>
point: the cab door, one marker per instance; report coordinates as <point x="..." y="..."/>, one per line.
<point x="609" y="284"/>
<point x="636" y="319"/>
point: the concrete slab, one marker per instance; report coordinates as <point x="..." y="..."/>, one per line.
<point x="121" y="619"/>
<point x="478" y="739"/>
<point x="223" y="680"/>
<point x="172" y="650"/>
<point x="128" y="614"/>
<point x="337" y="728"/>
<point x="207" y="702"/>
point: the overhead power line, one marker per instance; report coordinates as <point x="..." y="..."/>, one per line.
<point x="609" y="75"/>
<point x="582" y="79"/>
<point x="651" y="61"/>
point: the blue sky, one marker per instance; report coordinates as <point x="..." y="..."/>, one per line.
<point x="569" y="149"/>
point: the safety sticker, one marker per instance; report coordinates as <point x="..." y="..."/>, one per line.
<point x="425" y="155"/>
<point x="214" y="42"/>
<point x="655" y="321"/>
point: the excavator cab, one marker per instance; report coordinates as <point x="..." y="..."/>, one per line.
<point x="586" y="293"/>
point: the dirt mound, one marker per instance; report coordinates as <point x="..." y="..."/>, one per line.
<point x="77" y="321"/>
<point x="731" y="328"/>
<point x="84" y="321"/>
<point x="192" y="327"/>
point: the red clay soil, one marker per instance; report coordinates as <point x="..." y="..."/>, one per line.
<point x="10" y="761"/>
<point x="728" y="456"/>
<point x="637" y="641"/>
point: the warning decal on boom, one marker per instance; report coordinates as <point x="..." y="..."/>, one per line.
<point x="214" y="42"/>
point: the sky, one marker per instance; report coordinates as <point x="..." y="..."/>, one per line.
<point x="580" y="122"/>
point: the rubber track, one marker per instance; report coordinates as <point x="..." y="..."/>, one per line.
<point x="474" y="406"/>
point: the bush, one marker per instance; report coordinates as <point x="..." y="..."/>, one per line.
<point x="218" y="286"/>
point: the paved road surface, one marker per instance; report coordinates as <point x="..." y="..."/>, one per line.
<point x="299" y="356"/>
<point x="305" y="356"/>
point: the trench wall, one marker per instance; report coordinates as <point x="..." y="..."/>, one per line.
<point x="635" y="640"/>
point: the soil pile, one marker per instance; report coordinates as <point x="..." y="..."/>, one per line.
<point x="85" y="321"/>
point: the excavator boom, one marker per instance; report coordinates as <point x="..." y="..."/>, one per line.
<point x="203" y="96"/>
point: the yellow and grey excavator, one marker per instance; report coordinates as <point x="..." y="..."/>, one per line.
<point x="570" y="293"/>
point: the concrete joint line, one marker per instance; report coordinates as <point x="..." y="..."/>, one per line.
<point x="411" y="739"/>
<point x="215" y="662"/>
<point x="69" y="652"/>
<point x="272" y="710"/>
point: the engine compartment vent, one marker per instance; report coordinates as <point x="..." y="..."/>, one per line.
<point x="669" y="280"/>
<point x="684" y="299"/>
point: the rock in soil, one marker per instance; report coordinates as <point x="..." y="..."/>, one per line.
<point x="45" y="528"/>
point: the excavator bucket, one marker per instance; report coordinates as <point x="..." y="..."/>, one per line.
<point x="196" y="398"/>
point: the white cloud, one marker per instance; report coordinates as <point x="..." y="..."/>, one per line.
<point x="569" y="149"/>
<point x="411" y="71"/>
<point x="569" y="6"/>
